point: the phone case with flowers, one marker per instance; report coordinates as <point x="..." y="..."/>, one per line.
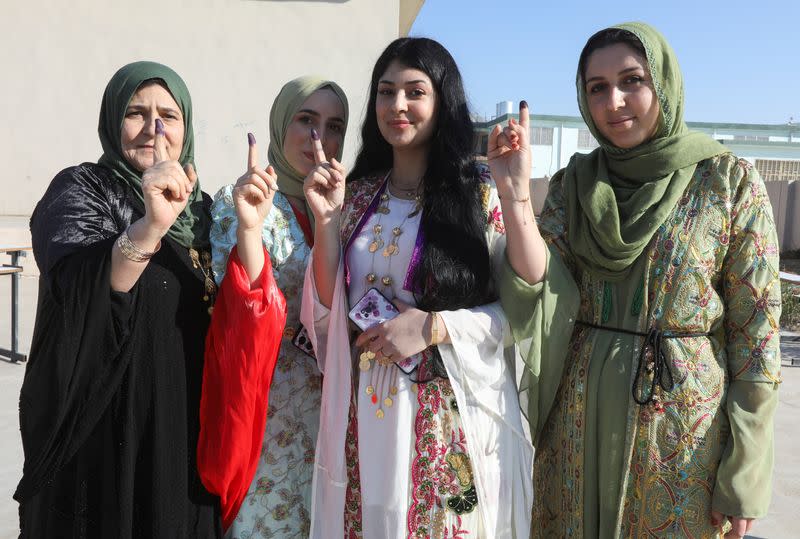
<point x="372" y="309"/>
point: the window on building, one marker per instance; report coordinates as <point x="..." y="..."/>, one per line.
<point x="586" y="141"/>
<point x="751" y="138"/>
<point x="481" y="144"/>
<point x="776" y="170"/>
<point x="542" y="135"/>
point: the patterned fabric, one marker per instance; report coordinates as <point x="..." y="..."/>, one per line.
<point x="352" y="508"/>
<point x="279" y="498"/>
<point x="443" y="496"/>
<point x="558" y="505"/>
<point x="711" y="267"/>
<point x="358" y="196"/>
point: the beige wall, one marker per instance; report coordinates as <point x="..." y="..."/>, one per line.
<point x="57" y="56"/>
<point x="785" y="199"/>
<point x="233" y="54"/>
<point x="539" y="188"/>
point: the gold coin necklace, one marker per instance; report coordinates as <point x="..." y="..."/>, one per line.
<point x="384" y="382"/>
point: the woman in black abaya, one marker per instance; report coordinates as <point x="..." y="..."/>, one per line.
<point x="109" y="404"/>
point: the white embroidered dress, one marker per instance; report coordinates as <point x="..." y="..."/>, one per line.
<point x="449" y="458"/>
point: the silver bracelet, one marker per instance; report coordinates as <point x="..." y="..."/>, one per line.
<point x="131" y="251"/>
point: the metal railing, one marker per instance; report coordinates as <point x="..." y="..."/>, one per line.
<point x="13" y="269"/>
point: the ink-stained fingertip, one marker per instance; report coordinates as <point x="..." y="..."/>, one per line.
<point x="314" y="134"/>
<point x="523" y="104"/>
<point x="159" y="127"/>
<point x="251" y="139"/>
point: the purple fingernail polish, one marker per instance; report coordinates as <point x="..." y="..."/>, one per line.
<point x="251" y="140"/>
<point x="159" y="127"/>
<point x="314" y="134"/>
<point x="523" y="104"/>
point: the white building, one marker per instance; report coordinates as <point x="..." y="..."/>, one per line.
<point x="773" y="149"/>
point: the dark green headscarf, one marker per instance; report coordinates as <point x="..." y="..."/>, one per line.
<point x="285" y="106"/>
<point x="192" y="225"/>
<point x="616" y="198"/>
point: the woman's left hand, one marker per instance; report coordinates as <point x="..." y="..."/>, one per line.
<point x="398" y="338"/>
<point x="739" y="525"/>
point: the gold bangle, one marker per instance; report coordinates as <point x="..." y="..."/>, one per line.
<point x="131" y="251"/>
<point x="434" y="329"/>
<point x="525" y="201"/>
<point x="520" y="200"/>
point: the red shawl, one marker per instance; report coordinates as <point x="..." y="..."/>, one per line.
<point x="241" y="352"/>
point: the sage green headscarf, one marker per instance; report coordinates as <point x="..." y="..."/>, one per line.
<point x="192" y="225"/>
<point x="616" y="198"/>
<point x="285" y="106"/>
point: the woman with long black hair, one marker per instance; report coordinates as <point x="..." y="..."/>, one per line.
<point x="432" y="445"/>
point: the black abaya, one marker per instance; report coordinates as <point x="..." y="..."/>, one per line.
<point x="109" y="404"/>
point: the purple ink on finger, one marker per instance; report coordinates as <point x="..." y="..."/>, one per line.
<point x="159" y="127"/>
<point x="523" y="104"/>
<point x="314" y="134"/>
<point x="251" y="139"/>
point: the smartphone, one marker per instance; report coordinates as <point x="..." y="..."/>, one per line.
<point x="303" y="342"/>
<point x="374" y="308"/>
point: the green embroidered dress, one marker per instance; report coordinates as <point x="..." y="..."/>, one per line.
<point x="606" y="466"/>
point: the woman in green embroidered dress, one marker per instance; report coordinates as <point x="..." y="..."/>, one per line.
<point x="651" y="395"/>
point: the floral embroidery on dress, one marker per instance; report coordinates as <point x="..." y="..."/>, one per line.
<point x="277" y="504"/>
<point x="486" y="193"/>
<point x="467" y="499"/>
<point x="442" y="486"/>
<point x="352" y="504"/>
<point x="464" y="502"/>
<point x="713" y="250"/>
<point x="493" y="215"/>
<point x="496" y="220"/>
<point x="357" y="198"/>
<point x="560" y="503"/>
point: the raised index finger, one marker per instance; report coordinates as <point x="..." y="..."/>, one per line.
<point x="160" y="144"/>
<point x="252" y="152"/>
<point x="524" y="116"/>
<point x="319" y="153"/>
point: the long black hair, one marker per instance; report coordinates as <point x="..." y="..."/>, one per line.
<point x="455" y="268"/>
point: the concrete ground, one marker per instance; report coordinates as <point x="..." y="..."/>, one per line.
<point x="13" y="231"/>
<point x="778" y="524"/>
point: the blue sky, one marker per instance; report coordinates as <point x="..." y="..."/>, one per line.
<point x="740" y="60"/>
